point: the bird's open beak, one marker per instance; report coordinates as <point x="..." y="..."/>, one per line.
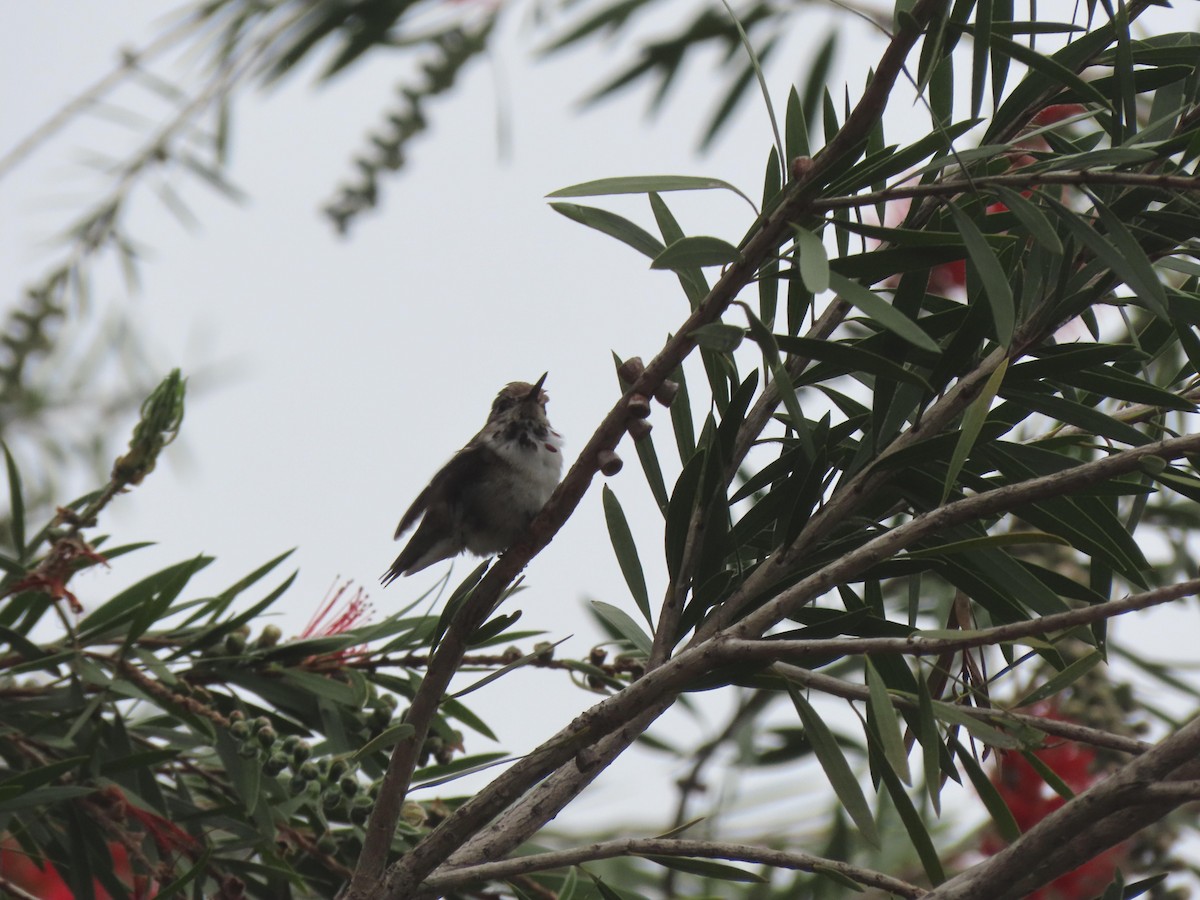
<point x="536" y="390"/>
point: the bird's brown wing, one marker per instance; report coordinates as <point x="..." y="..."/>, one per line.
<point x="462" y="469"/>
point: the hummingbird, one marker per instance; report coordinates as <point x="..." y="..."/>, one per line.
<point x="489" y="492"/>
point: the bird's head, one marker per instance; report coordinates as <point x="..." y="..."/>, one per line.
<point x="520" y="400"/>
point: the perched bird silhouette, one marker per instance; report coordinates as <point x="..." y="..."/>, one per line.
<point x="484" y="498"/>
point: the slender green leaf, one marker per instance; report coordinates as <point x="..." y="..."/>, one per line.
<point x="525" y="660"/>
<point x="1002" y="817"/>
<point x="1048" y="775"/>
<point x="995" y="281"/>
<point x="706" y="868"/>
<point x="981" y="50"/>
<point x="1004" y="539"/>
<point x="613" y="225"/>
<point x="779" y="374"/>
<point x="881" y="312"/>
<point x="385" y="740"/>
<point x="813" y="260"/>
<point x="698" y="250"/>
<point x="718" y="336"/>
<point x="931" y="745"/>
<point x="1140" y="274"/>
<point x="914" y="823"/>
<point x="645" y="184"/>
<point x="972" y="425"/>
<point x="679" y="511"/>
<point x="1050" y="67"/>
<point x="795" y="128"/>
<point x="1031" y="217"/>
<point x="1092" y="420"/>
<point x="1148" y="289"/>
<point x="626" y="551"/>
<point x="989" y="734"/>
<point x="692" y="280"/>
<point x="625" y="626"/>
<point x="16" y="499"/>
<point x="1062" y="680"/>
<point x="131" y="601"/>
<point x="849" y="356"/>
<point x="194" y="871"/>
<point x="838" y="878"/>
<point x="881" y="713"/>
<point x="837" y="770"/>
<point x="432" y="776"/>
<point x="570" y="883"/>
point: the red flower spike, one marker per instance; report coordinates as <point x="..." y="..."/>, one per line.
<point x="1030" y="800"/>
<point x="45" y="882"/>
<point x="1056" y="113"/>
<point x="331" y="619"/>
<point x="352" y="613"/>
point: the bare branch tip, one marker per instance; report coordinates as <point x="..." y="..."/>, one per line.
<point x="631" y="370"/>
<point x="610" y="464"/>
<point x="666" y="392"/>
<point x="638" y="406"/>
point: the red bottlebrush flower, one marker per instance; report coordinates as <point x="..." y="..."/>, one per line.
<point x="948" y="276"/>
<point x="337" y="615"/>
<point x="1030" y="800"/>
<point x="326" y="622"/>
<point x="44" y="881"/>
<point x="1056" y="112"/>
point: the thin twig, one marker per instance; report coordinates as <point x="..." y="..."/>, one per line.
<point x="10" y="888"/>
<point x="1171" y="183"/>
<point x="131" y="60"/>
<point x="919" y="645"/>
<point x="784" y="859"/>
<point x="1069" y="731"/>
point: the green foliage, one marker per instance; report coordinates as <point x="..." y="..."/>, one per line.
<point x="933" y="425"/>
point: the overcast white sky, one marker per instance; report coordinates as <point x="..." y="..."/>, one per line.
<point x="354" y="368"/>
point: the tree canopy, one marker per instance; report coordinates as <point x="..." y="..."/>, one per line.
<point x="924" y="432"/>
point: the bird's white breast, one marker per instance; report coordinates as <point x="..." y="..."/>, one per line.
<point x="540" y="466"/>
